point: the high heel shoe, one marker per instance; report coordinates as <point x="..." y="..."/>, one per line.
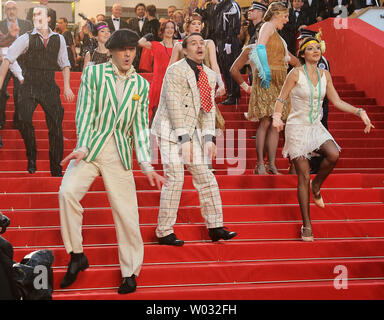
<point x="272" y="169"/>
<point x="306" y="238"/>
<point x="260" y="169"/>
<point x="317" y="199"/>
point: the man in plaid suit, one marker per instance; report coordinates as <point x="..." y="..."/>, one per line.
<point x="111" y="118"/>
<point x="185" y="134"/>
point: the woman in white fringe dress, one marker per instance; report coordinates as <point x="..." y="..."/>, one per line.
<point x="304" y="133"/>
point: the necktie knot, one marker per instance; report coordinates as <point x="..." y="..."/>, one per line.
<point x="205" y="90"/>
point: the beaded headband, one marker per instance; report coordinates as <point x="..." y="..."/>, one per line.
<point x="307" y="44"/>
<point x="102" y="27"/>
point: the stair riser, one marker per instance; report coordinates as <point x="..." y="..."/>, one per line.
<point x="250" y="231"/>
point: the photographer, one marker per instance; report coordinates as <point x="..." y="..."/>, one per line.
<point x="17" y="280"/>
<point x="7" y="289"/>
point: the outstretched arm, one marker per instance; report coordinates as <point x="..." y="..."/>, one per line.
<point x="334" y="98"/>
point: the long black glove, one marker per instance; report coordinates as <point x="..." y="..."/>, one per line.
<point x="149" y="37"/>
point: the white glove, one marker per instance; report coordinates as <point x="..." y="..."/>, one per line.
<point x="227" y="48"/>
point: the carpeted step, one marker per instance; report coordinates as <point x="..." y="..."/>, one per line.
<point x="38" y="218"/>
<point x="48" y="184"/>
<point x="224" y="273"/>
<point x="233" y="166"/>
<point x="222" y="153"/>
<point x="98" y="199"/>
<point x="249" y="143"/>
<point x="229" y="251"/>
<point x="307" y="290"/>
<point x="102" y="235"/>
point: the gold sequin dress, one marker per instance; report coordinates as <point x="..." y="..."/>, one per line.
<point x="262" y="101"/>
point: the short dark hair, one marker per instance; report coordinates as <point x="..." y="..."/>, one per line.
<point x="185" y="41"/>
<point x="64" y="19"/>
<point x="140" y="5"/>
<point x="151" y="9"/>
<point x="301" y="51"/>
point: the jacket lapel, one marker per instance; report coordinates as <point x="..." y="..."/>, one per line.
<point x="111" y="85"/>
<point x="130" y="88"/>
<point x="191" y="78"/>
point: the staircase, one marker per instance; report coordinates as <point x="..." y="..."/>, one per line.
<point x="267" y="260"/>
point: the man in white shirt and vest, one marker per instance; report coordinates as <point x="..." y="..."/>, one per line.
<point x="44" y="52"/>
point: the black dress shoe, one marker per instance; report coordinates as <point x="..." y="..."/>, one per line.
<point x="79" y="262"/>
<point x="128" y="285"/>
<point x="220" y="233"/>
<point x="229" y="101"/>
<point x="171" y="240"/>
<point x="31" y="166"/>
<point x="56" y="173"/>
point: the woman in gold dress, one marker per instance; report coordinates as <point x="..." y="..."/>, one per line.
<point x="271" y="57"/>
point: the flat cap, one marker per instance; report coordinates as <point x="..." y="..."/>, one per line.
<point x="122" y="38"/>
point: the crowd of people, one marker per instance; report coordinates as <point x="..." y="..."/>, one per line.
<point x="195" y="56"/>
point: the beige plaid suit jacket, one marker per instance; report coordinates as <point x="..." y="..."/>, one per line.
<point x="179" y="106"/>
<point x="180" y="113"/>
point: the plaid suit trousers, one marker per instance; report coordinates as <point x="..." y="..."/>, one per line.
<point x="204" y="182"/>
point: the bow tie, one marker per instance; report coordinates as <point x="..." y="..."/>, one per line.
<point x="141" y="19"/>
<point x="116" y="19"/>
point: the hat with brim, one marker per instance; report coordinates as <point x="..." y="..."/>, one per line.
<point x="305" y="33"/>
<point x="122" y="38"/>
<point x="258" y="6"/>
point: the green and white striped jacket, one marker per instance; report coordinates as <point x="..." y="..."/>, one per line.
<point x="98" y="115"/>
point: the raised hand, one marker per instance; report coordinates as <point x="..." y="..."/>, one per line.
<point x="367" y="122"/>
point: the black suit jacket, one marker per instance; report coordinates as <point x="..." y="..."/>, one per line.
<point x="24" y="26"/>
<point x="289" y="32"/>
<point x="52" y="14"/>
<point x="133" y="24"/>
<point x="359" y="4"/>
<point x="153" y="27"/>
<point x="317" y="9"/>
<point x="123" y="24"/>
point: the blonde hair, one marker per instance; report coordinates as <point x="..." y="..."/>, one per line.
<point x="188" y="21"/>
<point x="275" y="8"/>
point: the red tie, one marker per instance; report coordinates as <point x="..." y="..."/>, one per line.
<point x="205" y="90"/>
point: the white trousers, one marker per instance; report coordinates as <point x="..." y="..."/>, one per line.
<point x="121" y="190"/>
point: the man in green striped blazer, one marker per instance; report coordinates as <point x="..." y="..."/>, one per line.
<point x="111" y="119"/>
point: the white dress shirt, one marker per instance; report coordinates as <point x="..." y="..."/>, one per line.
<point x="141" y="23"/>
<point x="116" y="23"/>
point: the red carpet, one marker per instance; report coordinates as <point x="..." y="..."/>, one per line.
<point x="267" y="260"/>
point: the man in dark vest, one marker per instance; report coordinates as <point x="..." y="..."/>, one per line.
<point x="44" y="52"/>
<point x="10" y="10"/>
